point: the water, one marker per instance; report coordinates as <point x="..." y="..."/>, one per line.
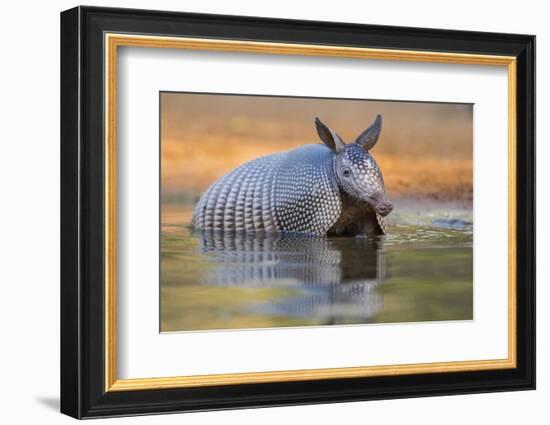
<point x="420" y="271"/>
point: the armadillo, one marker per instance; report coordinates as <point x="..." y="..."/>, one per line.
<point x="324" y="189"/>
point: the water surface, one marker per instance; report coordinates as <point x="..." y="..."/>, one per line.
<point x="420" y="271"/>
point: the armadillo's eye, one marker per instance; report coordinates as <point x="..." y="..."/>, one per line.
<point x="346" y="172"/>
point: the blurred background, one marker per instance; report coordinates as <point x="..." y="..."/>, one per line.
<point x="424" y="151"/>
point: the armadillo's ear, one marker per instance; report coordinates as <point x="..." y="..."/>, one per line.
<point x="329" y="137"/>
<point x="368" y="138"/>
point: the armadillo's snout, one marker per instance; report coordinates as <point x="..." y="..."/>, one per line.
<point x="384" y="208"/>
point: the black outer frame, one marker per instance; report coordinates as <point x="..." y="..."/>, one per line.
<point x="82" y="217"/>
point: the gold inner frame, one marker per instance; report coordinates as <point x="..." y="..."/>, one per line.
<point x="113" y="41"/>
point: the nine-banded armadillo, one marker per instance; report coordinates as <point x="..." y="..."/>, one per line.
<point x="330" y="189"/>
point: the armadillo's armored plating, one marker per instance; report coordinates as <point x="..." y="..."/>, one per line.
<point x="330" y="189"/>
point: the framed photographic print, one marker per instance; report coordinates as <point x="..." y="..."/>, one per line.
<point x="261" y="212"/>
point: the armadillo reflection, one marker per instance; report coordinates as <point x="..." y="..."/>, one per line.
<point x="330" y="189"/>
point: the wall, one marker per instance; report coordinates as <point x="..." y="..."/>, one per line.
<point x="29" y="229"/>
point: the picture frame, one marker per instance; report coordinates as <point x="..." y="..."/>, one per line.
<point x="90" y="40"/>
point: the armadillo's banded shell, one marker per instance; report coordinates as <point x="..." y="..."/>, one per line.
<point x="306" y="197"/>
<point x="293" y="191"/>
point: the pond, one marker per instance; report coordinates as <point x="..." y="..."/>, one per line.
<point x="420" y="271"/>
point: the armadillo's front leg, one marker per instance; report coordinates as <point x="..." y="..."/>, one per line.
<point x="371" y="227"/>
